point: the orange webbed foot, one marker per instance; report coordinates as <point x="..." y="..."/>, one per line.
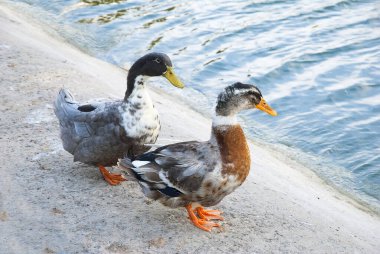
<point x="113" y="179"/>
<point x="209" y="214"/>
<point x="201" y="223"/>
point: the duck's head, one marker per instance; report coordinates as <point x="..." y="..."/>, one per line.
<point x="240" y="96"/>
<point x="155" y="64"/>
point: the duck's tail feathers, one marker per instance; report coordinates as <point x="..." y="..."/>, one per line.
<point x="64" y="105"/>
<point x="64" y="95"/>
<point x="125" y="164"/>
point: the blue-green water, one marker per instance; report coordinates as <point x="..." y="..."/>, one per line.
<point x="316" y="62"/>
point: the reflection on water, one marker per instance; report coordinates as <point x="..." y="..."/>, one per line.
<point x="212" y="60"/>
<point x="170" y="9"/>
<point x="316" y="62"/>
<point x="99" y="2"/>
<point x="103" y="19"/>
<point x="148" y="24"/>
<point x="154" y="42"/>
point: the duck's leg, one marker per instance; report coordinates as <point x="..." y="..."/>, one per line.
<point x="209" y="214"/>
<point x="113" y="179"/>
<point x="198" y="222"/>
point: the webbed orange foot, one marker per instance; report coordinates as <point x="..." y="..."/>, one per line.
<point x="209" y="214"/>
<point x="199" y="222"/>
<point x="113" y="179"/>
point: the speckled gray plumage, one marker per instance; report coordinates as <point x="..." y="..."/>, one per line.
<point x="95" y="137"/>
<point x="100" y="133"/>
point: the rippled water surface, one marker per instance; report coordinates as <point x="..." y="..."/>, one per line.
<point x="316" y="62"/>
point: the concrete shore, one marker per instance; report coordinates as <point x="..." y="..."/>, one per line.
<point x="48" y="204"/>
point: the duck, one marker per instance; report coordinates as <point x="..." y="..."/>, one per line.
<point x="195" y="174"/>
<point x="100" y="133"/>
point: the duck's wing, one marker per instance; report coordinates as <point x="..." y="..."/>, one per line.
<point x="80" y="124"/>
<point x="175" y="169"/>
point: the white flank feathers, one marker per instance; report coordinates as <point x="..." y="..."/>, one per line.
<point x="138" y="164"/>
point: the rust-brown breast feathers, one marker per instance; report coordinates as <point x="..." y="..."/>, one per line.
<point x="234" y="151"/>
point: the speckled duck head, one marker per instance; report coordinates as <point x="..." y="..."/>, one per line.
<point x="237" y="97"/>
<point x="151" y="65"/>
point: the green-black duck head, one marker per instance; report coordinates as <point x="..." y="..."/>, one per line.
<point x="239" y="96"/>
<point x="155" y="64"/>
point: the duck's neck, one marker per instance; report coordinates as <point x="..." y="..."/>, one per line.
<point x="233" y="147"/>
<point x="134" y="79"/>
<point x="139" y="117"/>
<point x="219" y="120"/>
<point x="138" y="91"/>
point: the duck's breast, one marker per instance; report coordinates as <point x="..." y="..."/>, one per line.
<point x="233" y="169"/>
<point x="140" y="119"/>
<point x="234" y="151"/>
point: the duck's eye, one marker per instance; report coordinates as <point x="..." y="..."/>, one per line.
<point x="157" y="60"/>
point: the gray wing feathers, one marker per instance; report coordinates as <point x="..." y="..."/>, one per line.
<point x="182" y="166"/>
<point x="82" y="129"/>
<point x="186" y="165"/>
<point x="84" y="134"/>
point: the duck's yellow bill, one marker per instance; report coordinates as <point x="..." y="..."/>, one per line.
<point x="169" y="75"/>
<point x="265" y="107"/>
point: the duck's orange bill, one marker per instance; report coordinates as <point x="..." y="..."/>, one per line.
<point x="265" y="107"/>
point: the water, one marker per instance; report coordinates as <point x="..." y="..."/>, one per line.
<point x="316" y="62"/>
